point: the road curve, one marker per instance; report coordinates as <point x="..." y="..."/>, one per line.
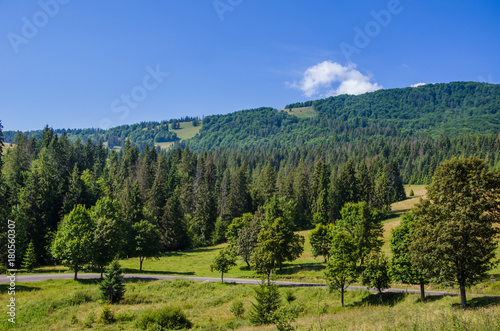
<point x="42" y="277"/>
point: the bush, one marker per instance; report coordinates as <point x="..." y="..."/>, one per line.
<point x="237" y="309"/>
<point x="89" y="320"/>
<point x="412" y="194"/>
<point x="170" y="318"/>
<point x="106" y="316"/>
<point x="73" y="320"/>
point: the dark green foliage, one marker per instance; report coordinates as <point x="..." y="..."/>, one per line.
<point x="355" y="148"/>
<point x="364" y="227"/>
<point x="377" y="272"/>
<point x="268" y="300"/>
<point x="29" y="261"/>
<point x="412" y="194"/>
<point x="454" y="238"/>
<point x="112" y="287"/>
<point x="167" y="318"/>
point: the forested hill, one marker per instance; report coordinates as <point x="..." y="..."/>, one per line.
<point x="451" y="109"/>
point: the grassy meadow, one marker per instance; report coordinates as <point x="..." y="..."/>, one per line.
<point x="301" y="112"/>
<point x="187" y="130"/>
<point x="76" y="305"/>
<point x="196" y="262"/>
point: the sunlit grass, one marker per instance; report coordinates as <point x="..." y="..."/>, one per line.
<point x="54" y="304"/>
<point x="301" y="112"/>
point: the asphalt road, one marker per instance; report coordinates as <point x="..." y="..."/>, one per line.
<point x="42" y="277"/>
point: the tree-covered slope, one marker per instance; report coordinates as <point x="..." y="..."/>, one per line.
<point x="452" y="109"/>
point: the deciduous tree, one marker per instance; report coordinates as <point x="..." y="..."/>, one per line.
<point x="454" y="238"/>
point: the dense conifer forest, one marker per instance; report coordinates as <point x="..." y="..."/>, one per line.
<point x="353" y="149"/>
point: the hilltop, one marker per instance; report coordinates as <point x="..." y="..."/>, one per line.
<point x="452" y="109"/>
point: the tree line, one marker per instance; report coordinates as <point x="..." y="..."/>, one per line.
<point x="189" y="198"/>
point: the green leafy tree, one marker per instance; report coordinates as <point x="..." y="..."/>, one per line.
<point x="247" y="240"/>
<point x="321" y="240"/>
<point x="112" y="287"/>
<point x="278" y="243"/>
<point x="223" y="262"/>
<point x="403" y="268"/>
<point x="377" y="272"/>
<point x="454" y="238"/>
<point x="341" y="268"/>
<point x="73" y="239"/>
<point x="268" y="300"/>
<point x="147" y="241"/>
<point x="108" y="240"/>
<point x="364" y="226"/>
<point x="29" y="261"/>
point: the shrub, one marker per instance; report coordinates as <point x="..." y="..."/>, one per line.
<point x="170" y="318"/>
<point x="89" y="320"/>
<point x="106" y="316"/>
<point x="237" y="309"/>
<point x="412" y="194"/>
<point x="73" y="320"/>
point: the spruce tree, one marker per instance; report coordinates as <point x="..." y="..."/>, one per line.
<point x="112" y="287"/>
<point x="268" y="300"/>
<point x="29" y="261"/>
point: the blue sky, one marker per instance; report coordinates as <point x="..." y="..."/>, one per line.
<point x="80" y="64"/>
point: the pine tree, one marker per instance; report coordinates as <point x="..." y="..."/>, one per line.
<point x="75" y="194"/>
<point x="268" y="300"/>
<point x="29" y="261"/>
<point x="112" y="287"/>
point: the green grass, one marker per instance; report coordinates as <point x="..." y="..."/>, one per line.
<point x="196" y="262"/>
<point x="67" y="305"/>
<point x="301" y="112"/>
<point x="187" y="130"/>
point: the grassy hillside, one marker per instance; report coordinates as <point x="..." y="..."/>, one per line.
<point x="301" y="112"/>
<point x="70" y="305"/>
<point x="196" y="262"/>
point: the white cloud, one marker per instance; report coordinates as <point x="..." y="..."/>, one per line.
<point x="331" y="78"/>
<point x="418" y="84"/>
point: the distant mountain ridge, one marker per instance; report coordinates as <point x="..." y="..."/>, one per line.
<point x="452" y="109"/>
